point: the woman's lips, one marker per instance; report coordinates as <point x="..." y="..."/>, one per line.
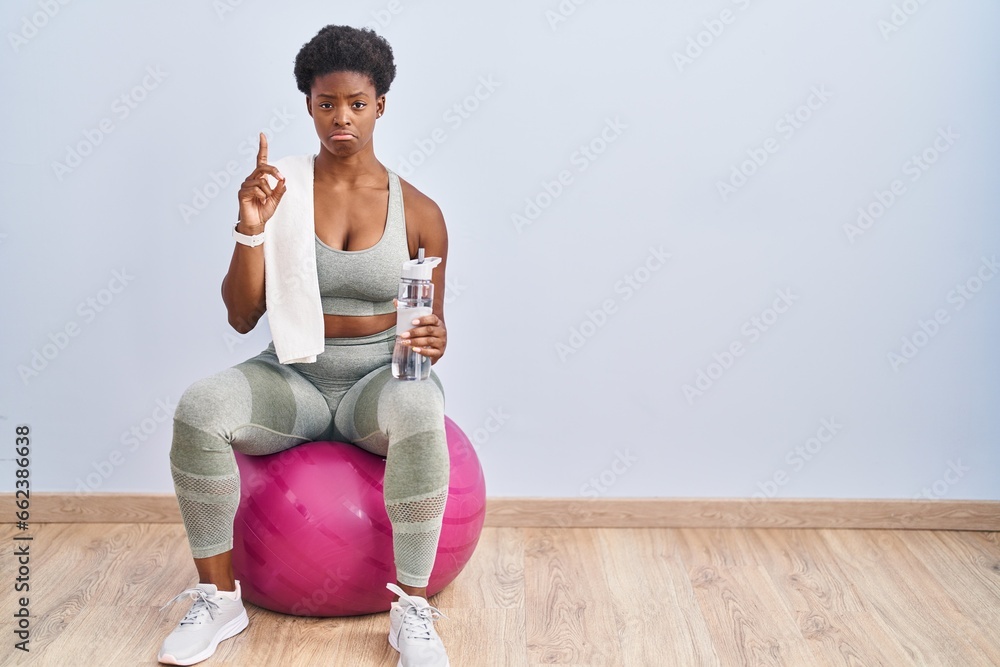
<point x="340" y="136"/>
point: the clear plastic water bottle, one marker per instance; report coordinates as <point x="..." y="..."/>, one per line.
<point x="415" y="299"/>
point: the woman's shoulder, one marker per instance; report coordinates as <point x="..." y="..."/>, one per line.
<point x="419" y="206"/>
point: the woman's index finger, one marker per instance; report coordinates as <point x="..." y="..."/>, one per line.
<point x="262" y="151"/>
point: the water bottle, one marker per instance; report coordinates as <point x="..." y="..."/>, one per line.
<point x="415" y="299"/>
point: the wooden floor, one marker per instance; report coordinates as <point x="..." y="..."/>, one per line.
<point x="542" y="596"/>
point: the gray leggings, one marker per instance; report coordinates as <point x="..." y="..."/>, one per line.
<point x="261" y="407"/>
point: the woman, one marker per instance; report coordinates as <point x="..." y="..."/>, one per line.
<point x="262" y="405"/>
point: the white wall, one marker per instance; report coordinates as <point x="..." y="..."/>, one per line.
<point x="611" y="403"/>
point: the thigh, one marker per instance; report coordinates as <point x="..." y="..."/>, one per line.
<point x="362" y="418"/>
<point x="286" y="409"/>
<point x="258" y="407"/>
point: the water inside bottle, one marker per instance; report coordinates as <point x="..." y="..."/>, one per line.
<point x="407" y="364"/>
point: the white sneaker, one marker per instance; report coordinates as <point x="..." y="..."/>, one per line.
<point x="213" y="617"/>
<point x="412" y="633"/>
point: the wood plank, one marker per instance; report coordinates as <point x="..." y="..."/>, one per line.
<point x="580" y="596"/>
<point x="967" y="578"/>
<point x="488" y="594"/>
<point x="571" y="623"/>
<point x="491" y="636"/>
<point x="987" y="545"/>
<point x="494" y="576"/>
<point x="748" y="621"/>
<point x="828" y="609"/>
<point x="655" y="610"/>
<point x="904" y="600"/>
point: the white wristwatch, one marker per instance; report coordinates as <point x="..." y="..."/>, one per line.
<point x="252" y="241"/>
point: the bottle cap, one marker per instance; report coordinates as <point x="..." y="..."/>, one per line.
<point x="414" y="269"/>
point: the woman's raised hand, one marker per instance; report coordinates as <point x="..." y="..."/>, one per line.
<point x="258" y="199"/>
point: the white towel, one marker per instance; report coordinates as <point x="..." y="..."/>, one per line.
<point x="291" y="284"/>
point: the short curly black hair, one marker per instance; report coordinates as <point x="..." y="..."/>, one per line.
<point x="342" y="48"/>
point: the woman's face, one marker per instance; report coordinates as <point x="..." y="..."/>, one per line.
<point x="344" y="107"/>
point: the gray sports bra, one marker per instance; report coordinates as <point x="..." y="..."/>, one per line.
<point x="364" y="282"/>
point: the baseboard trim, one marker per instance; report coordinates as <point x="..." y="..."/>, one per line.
<point x="587" y="513"/>
<point x="888" y="514"/>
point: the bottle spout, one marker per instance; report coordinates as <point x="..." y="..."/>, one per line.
<point x="421" y="267"/>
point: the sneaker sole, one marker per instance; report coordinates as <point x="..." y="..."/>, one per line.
<point x="230" y="629"/>
<point x="447" y="662"/>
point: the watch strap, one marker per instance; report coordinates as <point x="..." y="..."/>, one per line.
<point x="247" y="240"/>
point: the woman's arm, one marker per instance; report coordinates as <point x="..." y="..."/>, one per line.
<point x="243" y="286"/>
<point x="431" y="337"/>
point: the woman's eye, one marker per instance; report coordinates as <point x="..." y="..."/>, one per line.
<point x="360" y="105"/>
<point x="325" y="105"/>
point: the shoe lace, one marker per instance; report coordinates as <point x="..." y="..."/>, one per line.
<point x="202" y="603"/>
<point x="417" y="621"/>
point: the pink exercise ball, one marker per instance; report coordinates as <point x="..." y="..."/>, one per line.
<point x="312" y="537"/>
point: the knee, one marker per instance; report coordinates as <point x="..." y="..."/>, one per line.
<point x="413" y="403"/>
<point x="190" y="406"/>
<point x="198" y="407"/>
<point x="204" y="417"/>
<point x="189" y="411"/>
<point x="216" y="400"/>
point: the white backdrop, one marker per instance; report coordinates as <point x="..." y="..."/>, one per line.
<point x="698" y="249"/>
